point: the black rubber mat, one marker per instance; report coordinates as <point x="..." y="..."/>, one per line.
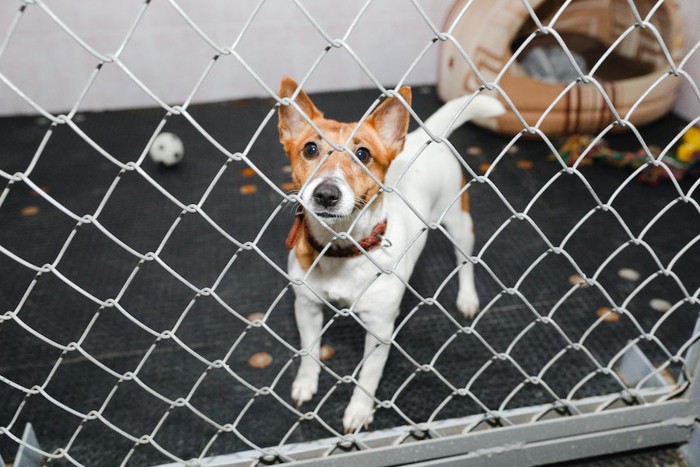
<point x="78" y="177"/>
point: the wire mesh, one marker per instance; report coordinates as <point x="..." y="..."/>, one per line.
<point x="152" y="263"/>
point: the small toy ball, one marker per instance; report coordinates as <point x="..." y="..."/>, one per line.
<point x="167" y="149"/>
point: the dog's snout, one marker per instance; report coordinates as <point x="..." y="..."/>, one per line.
<point x="327" y="195"/>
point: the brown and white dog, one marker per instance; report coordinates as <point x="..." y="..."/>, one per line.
<point x="339" y="196"/>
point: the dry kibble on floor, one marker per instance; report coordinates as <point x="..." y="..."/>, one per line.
<point x="513" y="149"/>
<point x="260" y="360"/>
<point x="474" y="150"/>
<point x="248" y="189"/>
<point x="484" y="167"/>
<point x="660" y="305"/>
<point x="247" y="172"/>
<point x="257" y="316"/>
<point x="327" y="352"/>
<point x="287" y="186"/>
<point x="524" y="164"/>
<point x="45" y="189"/>
<point x="628" y="274"/>
<point x="610" y="317"/>
<point x="29" y="211"/>
<point x="576" y="279"/>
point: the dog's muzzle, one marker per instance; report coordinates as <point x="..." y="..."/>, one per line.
<point x="326" y="195"/>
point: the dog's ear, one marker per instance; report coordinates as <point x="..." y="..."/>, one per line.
<point x="391" y="120"/>
<point x="291" y="122"/>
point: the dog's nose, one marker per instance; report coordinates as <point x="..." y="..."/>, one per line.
<point x="327" y="195"/>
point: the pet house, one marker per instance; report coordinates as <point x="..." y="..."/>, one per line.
<point x="491" y="31"/>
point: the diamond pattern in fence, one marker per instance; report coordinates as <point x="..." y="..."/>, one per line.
<point x="137" y="316"/>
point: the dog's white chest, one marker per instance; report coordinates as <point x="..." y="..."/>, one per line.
<point x="340" y="291"/>
<point x="342" y="281"/>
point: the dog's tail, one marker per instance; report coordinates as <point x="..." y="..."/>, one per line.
<point x="443" y="122"/>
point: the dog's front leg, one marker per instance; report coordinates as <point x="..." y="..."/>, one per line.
<point x="309" y="317"/>
<point x="360" y="410"/>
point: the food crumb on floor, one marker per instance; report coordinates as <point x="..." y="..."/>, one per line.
<point x="260" y="360"/>
<point x="660" y="305"/>
<point x="29" y="211"/>
<point x="474" y="151"/>
<point x="628" y="274"/>
<point x="610" y="316"/>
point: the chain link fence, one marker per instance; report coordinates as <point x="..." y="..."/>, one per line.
<point x="120" y="322"/>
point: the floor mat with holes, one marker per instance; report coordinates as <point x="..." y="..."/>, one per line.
<point x="179" y="400"/>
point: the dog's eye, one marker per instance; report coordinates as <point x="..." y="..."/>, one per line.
<point x="310" y="150"/>
<point x="363" y="154"/>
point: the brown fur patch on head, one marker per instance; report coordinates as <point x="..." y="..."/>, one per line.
<point x="382" y="134"/>
<point x="291" y="122"/>
<point x="391" y="120"/>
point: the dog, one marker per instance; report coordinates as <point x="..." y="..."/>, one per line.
<point x="341" y="196"/>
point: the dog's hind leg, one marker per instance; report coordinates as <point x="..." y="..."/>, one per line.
<point x="460" y="226"/>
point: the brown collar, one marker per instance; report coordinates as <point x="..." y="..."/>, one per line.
<point x="367" y="243"/>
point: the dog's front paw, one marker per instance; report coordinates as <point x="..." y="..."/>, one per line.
<point x="358" y="413"/>
<point x="468" y="303"/>
<point x="303" y="389"/>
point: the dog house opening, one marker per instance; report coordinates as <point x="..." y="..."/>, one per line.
<point x="589" y="29"/>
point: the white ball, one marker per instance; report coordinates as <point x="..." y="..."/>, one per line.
<point x="167" y="149"/>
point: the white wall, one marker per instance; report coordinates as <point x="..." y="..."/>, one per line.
<point x="169" y="57"/>
<point x="687" y="104"/>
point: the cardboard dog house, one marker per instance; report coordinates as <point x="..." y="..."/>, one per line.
<point x="490" y="31"/>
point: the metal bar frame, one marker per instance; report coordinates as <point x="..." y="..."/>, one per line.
<point x="600" y="429"/>
<point x="547" y="441"/>
<point x="583" y="436"/>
